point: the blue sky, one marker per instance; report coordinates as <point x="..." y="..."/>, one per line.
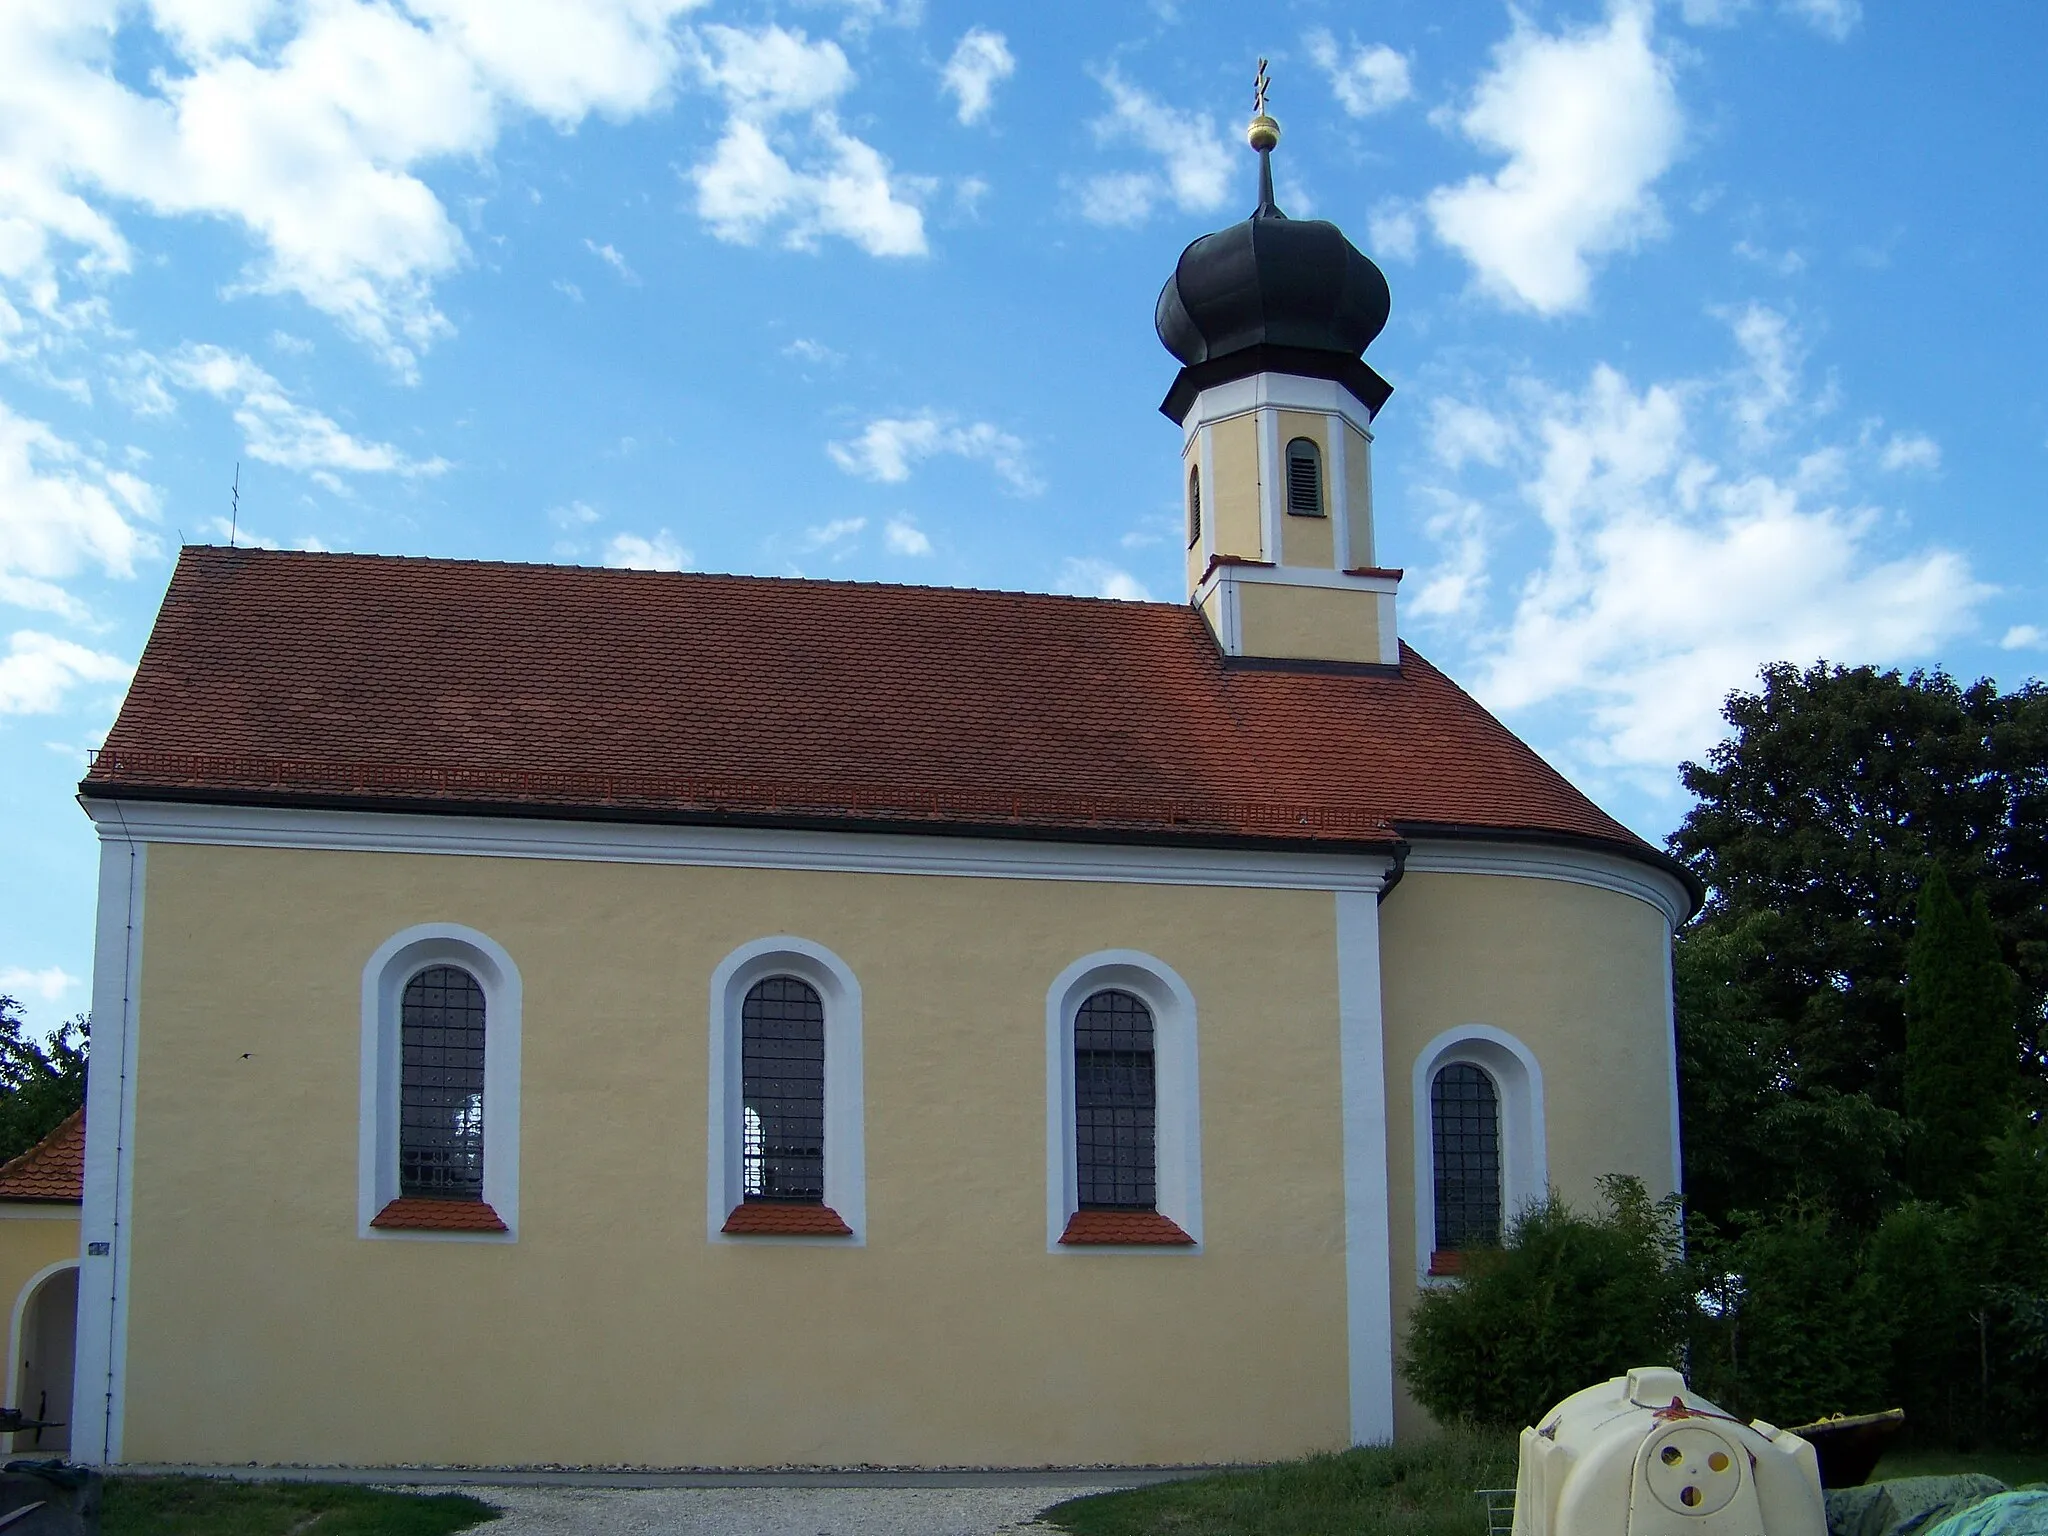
<point x="1716" y="336"/>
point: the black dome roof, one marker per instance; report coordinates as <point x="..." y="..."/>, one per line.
<point x="1271" y="281"/>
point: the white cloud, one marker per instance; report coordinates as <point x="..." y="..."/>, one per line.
<point x="278" y="430"/>
<point x="1765" y="385"/>
<point x="1788" y="263"/>
<point x="1588" y="120"/>
<point x="1712" y="13"/>
<point x="307" y="128"/>
<point x="234" y="531"/>
<point x="50" y="984"/>
<point x="1194" y="160"/>
<point x="1831" y="18"/>
<point x="1911" y="450"/>
<point x="574" y="515"/>
<point x="836" y="535"/>
<point x="62" y="514"/>
<point x="889" y="447"/>
<point x="1392" y="231"/>
<point x="805" y="350"/>
<point x="1080" y="577"/>
<point x="906" y="538"/>
<point x="1670" y="569"/>
<point x="39" y="670"/>
<point x="749" y="183"/>
<point x="609" y="255"/>
<point x="1455" y="583"/>
<point x="1366" y="80"/>
<point x="2025" y="637"/>
<point x="632" y="551"/>
<point x="981" y="60"/>
<point x="1459" y="432"/>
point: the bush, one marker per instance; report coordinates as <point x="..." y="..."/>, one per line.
<point x="1567" y="1301"/>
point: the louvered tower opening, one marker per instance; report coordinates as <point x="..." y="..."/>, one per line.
<point x="1194" y="507"/>
<point x="1304" y="478"/>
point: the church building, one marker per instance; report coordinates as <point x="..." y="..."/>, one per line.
<point x="558" y="1016"/>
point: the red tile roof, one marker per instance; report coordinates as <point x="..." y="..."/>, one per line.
<point x="785" y="1218"/>
<point x="51" y="1171"/>
<point x="464" y="685"/>
<point x="1123" y="1228"/>
<point x="418" y="1213"/>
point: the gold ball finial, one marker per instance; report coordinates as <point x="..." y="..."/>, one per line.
<point x="1263" y="134"/>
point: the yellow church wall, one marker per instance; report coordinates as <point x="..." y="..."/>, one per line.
<point x="1321" y="623"/>
<point x="1578" y="975"/>
<point x="33" y="1237"/>
<point x="1308" y="540"/>
<point x="1234" y="456"/>
<point x="261" y="1327"/>
<point x="1358" y="495"/>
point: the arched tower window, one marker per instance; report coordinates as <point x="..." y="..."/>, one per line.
<point x="441" y="1086"/>
<point x="1464" y="1110"/>
<point x="1304" y="478"/>
<point x="1115" y="1104"/>
<point x="782" y="1091"/>
<point x="1194" y="506"/>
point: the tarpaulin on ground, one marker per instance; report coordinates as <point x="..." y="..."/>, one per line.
<point x="1906" y="1506"/>
<point x="2020" y="1513"/>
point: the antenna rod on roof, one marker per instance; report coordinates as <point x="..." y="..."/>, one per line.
<point x="235" y="504"/>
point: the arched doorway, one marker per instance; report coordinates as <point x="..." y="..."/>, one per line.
<point x="45" y="1339"/>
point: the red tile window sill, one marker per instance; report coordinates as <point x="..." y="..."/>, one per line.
<point x="419" y="1214"/>
<point x="1447" y="1261"/>
<point x="1124" y="1229"/>
<point x="785" y="1218"/>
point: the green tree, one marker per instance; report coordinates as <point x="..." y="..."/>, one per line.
<point x="1795" y="1328"/>
<point x="1756" y="1129"/>
<point x="1960" y="1056"/>
<point x="41" y="1081"/>
<point x="1568" y="1300"/>
<point x="1814" y="824"/>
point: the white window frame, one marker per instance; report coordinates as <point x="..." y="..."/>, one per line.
<point x="396" y="961"/>
<point x="846" y="1189"/>
<point x="1518" y="1085"/>
<point x="1176" y="1073"/>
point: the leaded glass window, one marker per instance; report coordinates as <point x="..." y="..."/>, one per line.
<point x="441" y="1086"/>
<point x="782" y="1066"/>
<point x="1115" y="1104"/>
<point x="1464" y="1109"/>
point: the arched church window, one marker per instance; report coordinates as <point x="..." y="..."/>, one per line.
<point x="782" y="1091"/>
<point x="1194" y="507"/>
<point x="1304" y="478"/>
<point x="1115" y="1104"/>
<point x="441" y="1086"/>
<point x="1464" y="1108"/>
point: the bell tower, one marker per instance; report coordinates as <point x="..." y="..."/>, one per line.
<point x="1270" y="319"/>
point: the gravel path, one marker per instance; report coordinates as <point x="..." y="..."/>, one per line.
<point x="1000" y="1511"/>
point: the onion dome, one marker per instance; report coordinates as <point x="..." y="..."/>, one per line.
<point x="1272" y="295"/>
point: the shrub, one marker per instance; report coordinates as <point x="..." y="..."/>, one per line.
<point x="1568" y="1300"/>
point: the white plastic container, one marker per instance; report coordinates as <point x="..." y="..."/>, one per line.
<point x="1642" y="1456"/>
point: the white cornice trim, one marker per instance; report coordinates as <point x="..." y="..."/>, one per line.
<point x="159" y="821"/>
<point x="1283" y="391"/>
<point x="1542" y="861"/>
<point x="1295" y="576"/>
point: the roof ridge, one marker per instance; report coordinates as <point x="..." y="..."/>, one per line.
<point x="631" y="572"/>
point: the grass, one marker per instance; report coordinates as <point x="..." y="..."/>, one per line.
<point x="1418" y="1490"/>
<point x="210" y="1506"/>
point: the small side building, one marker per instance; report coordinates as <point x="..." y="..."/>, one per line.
<point x="40" y="1195"/>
